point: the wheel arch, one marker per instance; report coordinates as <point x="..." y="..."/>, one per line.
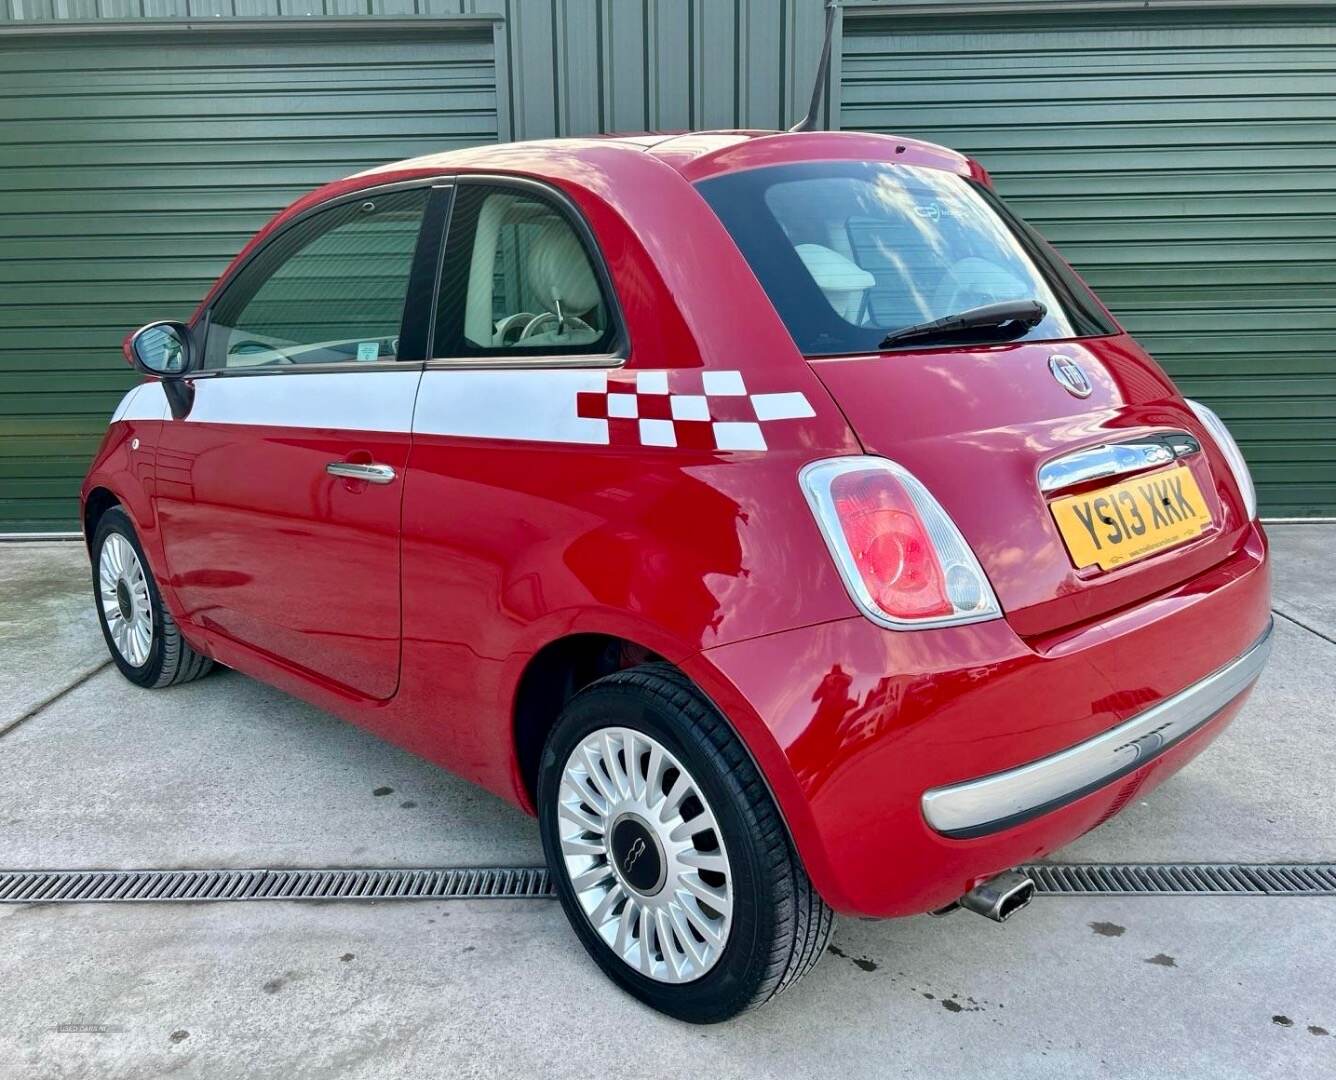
<point x="96" y="503"/>
<point x="110" y="485"/>
<point x="564" y="666"/>
<point x="555" y="674"/>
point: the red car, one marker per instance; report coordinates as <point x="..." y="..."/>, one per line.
<point x="776" y="516"/>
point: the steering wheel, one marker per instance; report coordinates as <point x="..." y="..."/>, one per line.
<point x="962" y="298"/>
<point x="511" y="329"/>
<point x="973" y="282"/>
<point x="539" y="323"/>
<point x="254" y="348"/>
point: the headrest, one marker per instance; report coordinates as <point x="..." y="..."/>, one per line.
<point x="559" y="270"/>
<point x="831" y="271"/>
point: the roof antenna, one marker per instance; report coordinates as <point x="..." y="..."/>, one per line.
<point x="808" y="122"/>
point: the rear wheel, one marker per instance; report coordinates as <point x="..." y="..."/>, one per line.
<point x="140" y="632"/>
<point x="668" y="853"/>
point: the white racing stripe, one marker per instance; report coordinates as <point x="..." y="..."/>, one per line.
<point x="345" y="401"/>
<point x="527" y="404"/>
<point x="143" y="402"/>
<point x="561" y="405"/>
<point x="341" y="400"/>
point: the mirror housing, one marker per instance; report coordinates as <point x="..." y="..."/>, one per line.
<point x="160" y="349"/>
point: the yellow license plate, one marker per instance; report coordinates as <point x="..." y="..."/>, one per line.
<point x="1127" y="521"/>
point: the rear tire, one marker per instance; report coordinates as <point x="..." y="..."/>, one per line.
<point x="141" y="634"/>
<point x="600" y="769"/>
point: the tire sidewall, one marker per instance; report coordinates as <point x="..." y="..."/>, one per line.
<point x="731" y="984"/>
<point x="117" y="521"/>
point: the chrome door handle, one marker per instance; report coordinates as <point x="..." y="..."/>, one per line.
<point x="370" y="472"/>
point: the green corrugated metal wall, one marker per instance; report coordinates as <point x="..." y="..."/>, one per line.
<point x="1185" y="162"/>
<point x="133" y="168"/>
<point x="197" y="132"/>
<point x="578" y="66"/>
<point x="573" y="66"/>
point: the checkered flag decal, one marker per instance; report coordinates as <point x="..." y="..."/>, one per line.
<point x="719" y="413"/>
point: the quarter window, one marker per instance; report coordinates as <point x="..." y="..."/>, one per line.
<point x="330" y="289"/>
<point x="517" y="280"/>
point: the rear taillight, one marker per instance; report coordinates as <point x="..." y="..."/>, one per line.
<point x="1233" y="455"/>
<point x="902" y="558"/>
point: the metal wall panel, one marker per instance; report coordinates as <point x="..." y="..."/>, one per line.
<point x="1185" y="162"/>
<point x="38" y="11"/>
<point x="578" y="66"/>
<point x="1183" y="159"/>
<point x="125" y="189"/>
<point x="581" y="66"/>
<point x="132" y="167"/>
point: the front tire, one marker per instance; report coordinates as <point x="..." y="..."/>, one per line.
<point x="141" y="634"/>
<point x="669" y="856"/>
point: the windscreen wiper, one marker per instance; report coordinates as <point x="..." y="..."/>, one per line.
<point x="1012" y="318"/>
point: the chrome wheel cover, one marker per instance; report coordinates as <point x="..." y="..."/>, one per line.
<point x="123" y="593"/>
<point x="618" y="783"/>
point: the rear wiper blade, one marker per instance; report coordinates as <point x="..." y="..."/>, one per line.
<point x="1024" y="314"/>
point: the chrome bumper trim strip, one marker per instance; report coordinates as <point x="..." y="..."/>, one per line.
<point x="992" y="803"/>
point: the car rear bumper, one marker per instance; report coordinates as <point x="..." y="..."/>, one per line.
<point x="910" y="766"/>
<point x="1006" y="799"/>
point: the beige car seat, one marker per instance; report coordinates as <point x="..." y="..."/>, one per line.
<point x="563" y="282"/>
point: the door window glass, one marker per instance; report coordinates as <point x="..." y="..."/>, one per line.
<point x="517" y="280"/>
<point x="330" y="289"/>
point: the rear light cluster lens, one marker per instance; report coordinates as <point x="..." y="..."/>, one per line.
<point x="902" y="558"/>
<point x="889" y="545"/>
<point x="1228" y="447"/>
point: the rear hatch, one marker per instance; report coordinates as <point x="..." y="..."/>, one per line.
<point x="978" y="426"/>
<point x="870" y="264"/>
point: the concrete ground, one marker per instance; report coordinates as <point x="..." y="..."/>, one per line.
<point x="226" y="772"/>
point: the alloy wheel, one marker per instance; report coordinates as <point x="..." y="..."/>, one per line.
<point x="123" y="593"/>
<point x="644" y="855"/>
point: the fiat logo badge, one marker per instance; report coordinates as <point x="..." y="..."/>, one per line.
<point x="1069" y="375"/>
<point x="637" y="850"/>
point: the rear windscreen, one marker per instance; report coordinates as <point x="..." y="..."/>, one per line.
<point x="852" y="251"/>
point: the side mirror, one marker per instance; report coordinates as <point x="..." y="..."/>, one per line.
<point x="160" y="349"/>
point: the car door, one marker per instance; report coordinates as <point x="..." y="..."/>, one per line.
<point x="502" y="481"/>
<point x="279" y="491"/>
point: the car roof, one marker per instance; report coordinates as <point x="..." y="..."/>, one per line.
<point x="607" y="161"/>
<point x="694" y="154"/>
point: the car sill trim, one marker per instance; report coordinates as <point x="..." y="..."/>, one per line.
<point x="1003" y="800"/>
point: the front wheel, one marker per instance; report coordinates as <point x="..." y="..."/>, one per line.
<point x="141" y="634"/>
<point x="669" y="856"/>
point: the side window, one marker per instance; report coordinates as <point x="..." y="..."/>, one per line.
<point x="517" y="279"/>
<point x="328" y="290"/>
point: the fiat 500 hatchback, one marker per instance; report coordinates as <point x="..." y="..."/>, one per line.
<point x="776" y="516"/>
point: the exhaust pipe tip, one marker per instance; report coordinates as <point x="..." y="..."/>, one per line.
<point x="1000" y="897"/>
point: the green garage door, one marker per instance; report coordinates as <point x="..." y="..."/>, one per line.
<point x="132" y="168"/>
<point x="1185" y="163"/>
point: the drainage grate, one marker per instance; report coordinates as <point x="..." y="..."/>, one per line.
<point x="527" y="882"/>
<point x="1183" y="879"/>
<point x="84" y="886"/>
